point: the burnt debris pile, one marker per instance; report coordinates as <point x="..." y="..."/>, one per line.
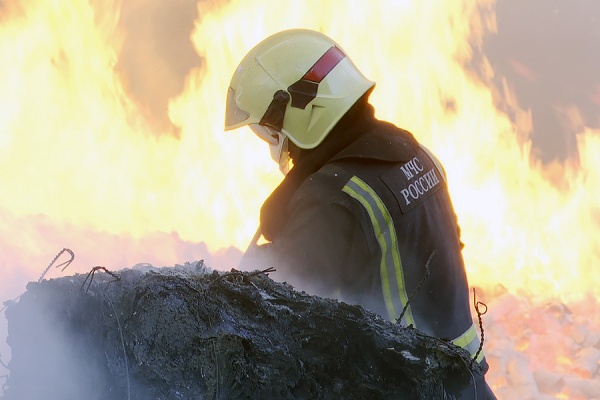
<point x="186" y="332"/>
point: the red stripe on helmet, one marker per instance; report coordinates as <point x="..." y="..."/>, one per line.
<point x="324" y="65"/>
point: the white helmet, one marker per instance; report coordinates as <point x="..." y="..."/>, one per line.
<point x="296" y="85"/>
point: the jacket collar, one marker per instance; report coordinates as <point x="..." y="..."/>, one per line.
<point x="384" y="142"/>
<point x="358" y="135"/>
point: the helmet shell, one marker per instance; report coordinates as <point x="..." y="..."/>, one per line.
<point x="323" y="83"/>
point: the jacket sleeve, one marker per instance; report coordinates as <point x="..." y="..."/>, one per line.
<point x="322" y="248"/>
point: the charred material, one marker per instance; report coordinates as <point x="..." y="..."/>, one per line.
<point x="190" y="333"/>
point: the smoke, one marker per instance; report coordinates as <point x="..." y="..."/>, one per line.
<point x="92" y="248"/>
<point x="547" y="52"/>
<point x="155" y="58"/>
<point x="60" y="362"/>
<point x="157" y="54"/>
<point x="544" y="50"/>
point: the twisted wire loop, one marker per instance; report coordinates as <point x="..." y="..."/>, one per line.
<point x="66" y="263"/>
<point x="5" y="376"/>
<point x="89" y="279"/>
<point x="425" y="277"/>
<point x="125" y="359"/>
<point x="480" y="312"/>
<point x="241" y="274"/>
<point x="2" y="362"/>
<point x="5" y="385"/>
<point x="91" y="274"/>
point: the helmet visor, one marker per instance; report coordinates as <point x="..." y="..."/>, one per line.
<point x="234" y="116"/>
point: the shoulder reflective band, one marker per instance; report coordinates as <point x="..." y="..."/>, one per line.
<point x="470" y="342"/>
<point x="392" y="277"/>
<point x="305" y="90"/>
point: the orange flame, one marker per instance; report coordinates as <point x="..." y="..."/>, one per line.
<point x="76" y="147"/>
<point x="526" y="226"/>
<point x="82" y="162"/>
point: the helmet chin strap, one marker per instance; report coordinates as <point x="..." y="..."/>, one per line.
<point x="281" y="155"/>
<point x="278" y="145"/>
<point x="279" y="150"/>
<point x="272" y="122"/>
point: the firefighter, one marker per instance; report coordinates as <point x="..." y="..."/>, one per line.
<point x="363" y="213"/>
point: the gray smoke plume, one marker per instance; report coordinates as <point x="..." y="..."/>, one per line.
<point x="547" y="50"/>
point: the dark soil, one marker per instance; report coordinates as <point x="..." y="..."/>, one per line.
<point x="189" y="333"/>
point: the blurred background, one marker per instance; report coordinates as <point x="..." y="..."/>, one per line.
<point x="112" y="145"/>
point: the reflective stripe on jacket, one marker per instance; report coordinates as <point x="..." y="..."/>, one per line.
<point x="375" y="226"/>
<point x="411" y="185"/>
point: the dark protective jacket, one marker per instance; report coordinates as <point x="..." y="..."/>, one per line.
<point x="369" y="221"/>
